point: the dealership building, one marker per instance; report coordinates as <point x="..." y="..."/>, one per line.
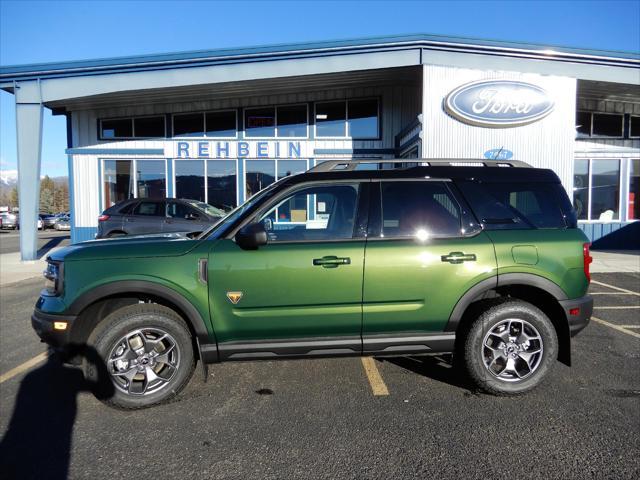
<point x="219" y="125"/>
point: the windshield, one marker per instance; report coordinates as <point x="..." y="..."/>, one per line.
<point x="209" y="209"/>
<point x="215" y="231"/>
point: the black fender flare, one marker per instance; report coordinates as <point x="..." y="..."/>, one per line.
<point x="133" y="287"/>
<point x="501" y="281"/>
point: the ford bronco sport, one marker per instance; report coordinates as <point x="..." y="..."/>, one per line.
<point x="482" y="259"/>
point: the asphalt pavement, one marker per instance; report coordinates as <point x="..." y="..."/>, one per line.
<point x="324" y="418"/>
<point x="47" y="239"/>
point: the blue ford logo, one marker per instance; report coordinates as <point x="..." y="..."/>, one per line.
<point x="498" y="103"/>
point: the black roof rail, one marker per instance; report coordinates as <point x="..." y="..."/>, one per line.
<point x="347" y="165"/>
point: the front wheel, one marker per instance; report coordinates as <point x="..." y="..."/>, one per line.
<point x="510" y="348"/>
<point x="148" y="354"/>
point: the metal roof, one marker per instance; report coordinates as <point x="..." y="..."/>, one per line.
<point x="301" y="50"/>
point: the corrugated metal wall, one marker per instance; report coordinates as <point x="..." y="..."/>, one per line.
<point x="547" y="143"/>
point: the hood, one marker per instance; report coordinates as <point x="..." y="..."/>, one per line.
<point x="137" y="246"/>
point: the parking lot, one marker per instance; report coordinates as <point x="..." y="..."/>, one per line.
<point x="410" y="417"/>
<point x="47" y="239"/>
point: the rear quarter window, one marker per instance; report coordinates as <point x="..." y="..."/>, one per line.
<point x="513" y="206"/>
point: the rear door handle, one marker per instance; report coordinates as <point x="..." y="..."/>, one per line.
<point x="458" y="257"/>
<point x="331" y="261"/>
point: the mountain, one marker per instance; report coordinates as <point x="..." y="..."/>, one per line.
<point x="8" y="178"/>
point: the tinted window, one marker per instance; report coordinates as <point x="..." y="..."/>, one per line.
<point x="583" y="124"/>
<point x="221" y="184"/>
<point x="179" y="210"/>
<point x="331" y="119"/>
<point x="260" y="122"/>
<point x="363" y="118"/>
<point x="332" y="218"/>
<point x="292" y="121"/>
<point x="418" y="209"/>
<point x="605" y="196"/>
<point x="502" y="206"/>
<point x="118" y="181"/>
<point x="149" y="127"/>
<point x="605" y="125"/>
<point x="581" y="188"/>
<point x="154" y="209"/>
<point x="188" y="125"/>
<point x="121" y="128"/>
<point x="190" y="179"/>
<point x="260" y="174"/>
<point x="221" y="124"/>
<point x="151" y="179"/>
<point x="634" y="128"/>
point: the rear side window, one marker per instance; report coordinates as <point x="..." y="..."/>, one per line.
<point x="152" y="209"/>
<point x="419" y="209"/>
<point x="513" y="206"/>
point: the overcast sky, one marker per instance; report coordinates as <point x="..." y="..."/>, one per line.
<point x="52" y="31"/>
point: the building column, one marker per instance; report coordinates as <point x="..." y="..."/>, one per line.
<point x="29" y="148"/>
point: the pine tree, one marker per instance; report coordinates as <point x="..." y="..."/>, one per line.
<point x="13" y="198"/>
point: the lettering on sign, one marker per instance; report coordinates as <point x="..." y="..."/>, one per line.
<point x="249" y="149"/>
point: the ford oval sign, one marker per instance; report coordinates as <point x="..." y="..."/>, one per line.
<point x="498" y="103"/>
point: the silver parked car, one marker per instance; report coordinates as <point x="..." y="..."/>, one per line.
<point x="63" y="223"/>
<point x="10" y="220"/>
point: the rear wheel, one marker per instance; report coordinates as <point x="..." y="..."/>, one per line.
<point x="148" y="354"/>
<point x="510" y="348"/>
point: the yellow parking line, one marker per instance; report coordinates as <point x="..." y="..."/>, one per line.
<point x="373" y="375"/>
<point x="616" y="327"/>
<point x="23" y="367"/>
<point x="617" y="308"/>
<point x="615" y="288"/>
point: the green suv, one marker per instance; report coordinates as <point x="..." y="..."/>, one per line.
<point x="481" y="259"/>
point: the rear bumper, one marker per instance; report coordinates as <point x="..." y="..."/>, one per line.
<point x="43" y="324"/>
<point x="580" y="317"/>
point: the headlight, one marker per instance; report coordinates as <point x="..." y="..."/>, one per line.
<point x="53" y="278"/>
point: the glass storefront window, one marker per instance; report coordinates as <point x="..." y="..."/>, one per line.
<point x="221" y="184"/>
<point x="259" y="174"/>
<point x="607" y="125"/>
<point x="331" y="119"/>
<point x="148" y="127"/>
<point x="221" y="124"/>
<point x="260" y="122"/>
<point x="190" y="179"/>
<point x="119" y="128"/>
<point x="634" y="190"/>
<point x="151" y="178"/>
<point x="583" y="124"/>
<point x="118" y="181"/>
<point x="292" y="121"/>
<point x="581" y="189"/>
<point x="605" y="189"/>
<point x="188" y="125"/>
<point x="363" y="118"/>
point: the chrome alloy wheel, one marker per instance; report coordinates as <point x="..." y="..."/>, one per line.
<point x="512" y="350"/>
<point x="143" y="361"/>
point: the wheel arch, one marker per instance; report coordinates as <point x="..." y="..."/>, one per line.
<point x="537" y="290"/>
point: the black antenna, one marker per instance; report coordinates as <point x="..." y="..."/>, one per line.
<point x="498" y="153"/>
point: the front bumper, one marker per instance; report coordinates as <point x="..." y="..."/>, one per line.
<point x="43" y="323"/>
<point x="584" y="308"/>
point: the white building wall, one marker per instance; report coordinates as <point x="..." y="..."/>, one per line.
<point x="547" y="143"/>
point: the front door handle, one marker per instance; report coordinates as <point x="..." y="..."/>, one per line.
<point x="458" y="257"/>
<point x="331" y="261"/>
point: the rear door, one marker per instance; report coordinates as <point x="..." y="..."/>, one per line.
<point x="420" y="259"/>
<point x="145" y="218"/>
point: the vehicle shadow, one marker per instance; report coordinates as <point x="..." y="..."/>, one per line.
<point x="37" y="443"/>
<point x="439" y="368"/>
<point x="51" y="244"/>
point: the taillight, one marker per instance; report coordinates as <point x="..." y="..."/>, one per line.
<point x="103" y="218"/>
<point x="587" y="259"/>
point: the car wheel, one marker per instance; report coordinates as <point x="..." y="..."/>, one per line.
<point x="510" y="348"/>
<point x="148" y="354"/>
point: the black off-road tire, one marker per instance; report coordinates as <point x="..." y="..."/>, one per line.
<point x="112" y="329"/>
<point x="473" y="350"/>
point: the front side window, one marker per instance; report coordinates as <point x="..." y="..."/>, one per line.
<point x="335" y="213"/>
<point x="331" y="119"/>
<point x="260" y="122"/>
<point x="151" y="178"/>
<point x="118" y="181"/>
<point x="419" y="210"/>
<point x="190" y="179"/>
<point x="180" y="211"/>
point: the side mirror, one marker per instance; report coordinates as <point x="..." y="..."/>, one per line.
<point x="252" y="236"/>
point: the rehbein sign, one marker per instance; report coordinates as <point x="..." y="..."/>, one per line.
<point x="498" y="103"/>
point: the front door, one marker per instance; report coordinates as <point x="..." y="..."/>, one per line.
<point x="302" y="292"/>
<point x="420" y="260"/>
